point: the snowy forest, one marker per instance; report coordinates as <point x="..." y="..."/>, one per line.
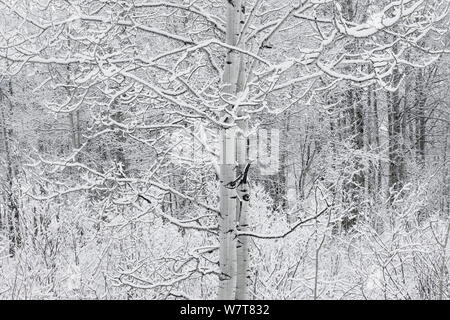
<point x="225" y="149"/>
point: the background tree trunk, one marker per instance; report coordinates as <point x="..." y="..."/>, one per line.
<point x="12" y="206"/>
<point x="396" y="165"/>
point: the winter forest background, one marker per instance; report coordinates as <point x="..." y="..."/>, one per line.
<point x="126" y="165"/>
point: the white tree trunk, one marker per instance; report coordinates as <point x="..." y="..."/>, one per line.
<point x="227" y="231"/>
<point x="228" y="236"/>
<point x="242" y="202"/>
<point x="242" y="214"/>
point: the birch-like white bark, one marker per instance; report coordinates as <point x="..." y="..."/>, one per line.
<point x="242" y="214"/>
<point x="242" y="157"/>
<point x="228" y="236"/>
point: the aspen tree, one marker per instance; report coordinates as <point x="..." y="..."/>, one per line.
<point x="228" y="151"/>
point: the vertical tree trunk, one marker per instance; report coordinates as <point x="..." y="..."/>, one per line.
<point x="446" y="176"/>
<point x="242" y="217"/>
<point x="74" y="128"/>
<point x="359" y="178"/>
<point x="242" y="157"/>
<point x="355" y="186"/>
<point x="12" y="206"/>
<point x="376" y="119"/>
<point x="420" y="119"/>
<point x="288" y="165"/>
<point x="228" y="146"/>
<point x="396" y="165"/>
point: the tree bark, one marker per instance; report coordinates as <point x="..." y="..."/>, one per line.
<point x="12" y="206"/>
<point x="228" y="158"/>
<point x="242" y="201"/>
<point x="420" y="119"/>
<point x="396" y="165"/>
